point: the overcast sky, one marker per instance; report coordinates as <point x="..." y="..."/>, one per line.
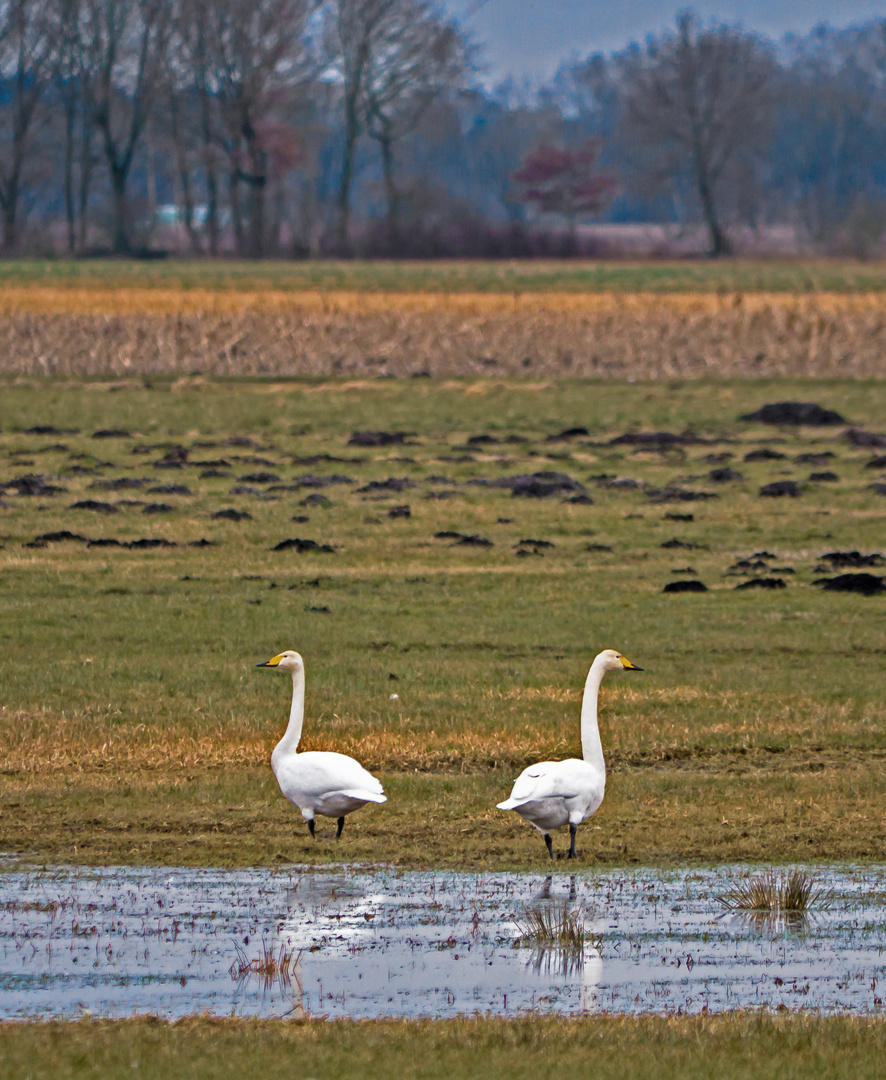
<point x="529" y="38"/>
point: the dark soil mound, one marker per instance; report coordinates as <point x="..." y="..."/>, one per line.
<point x="329" y="480"/>
<point x="94" y="505"/>
<point x="858" y="437"/>
<point x="111" y="433"/>
<point x="393" y="483"/>
<point x="765" y="454"/>
<point x="170" y="489"/>
<point x="685" y="586"/>
<point x="763" y="583"/>
<point x="677" y="494"/>
<point x="31" y="485"/>
<point x="400" y="512"/>
<point x="57" y="537"/>
<point x="569" y="433"/>
<point x="779" y="488"/>
<point x="657" y="440"/>
<point x="158" y="508"/>
<point x="866" y="584"/>
<point x="814" y="459"/>
<point x="232" y="515"/>
<point x="852" y="560"/>
<point x="722" y="476"/>
<point x="378" y="438"/>
<point x="121" y="483"/>
<point x="539" y="485"/>
<point x="297" y="544"/>
<point x="260" y="478"/>
<point x="794" y="412"/>
<point x="149" y="542"/>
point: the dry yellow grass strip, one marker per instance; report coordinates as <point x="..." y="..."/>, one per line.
<point x="609" y="335"/>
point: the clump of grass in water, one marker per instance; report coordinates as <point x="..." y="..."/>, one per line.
<point x="269" y="966"/>
<point x="794" y="892"/>
<point x="552" y="925"/>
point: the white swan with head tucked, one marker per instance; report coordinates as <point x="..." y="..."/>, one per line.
<point x="317" y="781"/>
<point x="556" y="793"/>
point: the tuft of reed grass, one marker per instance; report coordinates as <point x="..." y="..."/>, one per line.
<point x="269" y="966"/>
<point x="553" y="925"/>
<point x="794" y="891"/>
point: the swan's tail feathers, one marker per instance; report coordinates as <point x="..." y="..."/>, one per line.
<point x="367" y="796"/>
<point x="510" y="804"/>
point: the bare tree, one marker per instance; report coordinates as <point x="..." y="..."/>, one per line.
<point x="125" y="44"/>
<point x="698" y="109"/>
<point x="417" y="54"/>
<point x="261" y="54"/>
<point x="394" y="57"/>
<point x="25" y="68"/>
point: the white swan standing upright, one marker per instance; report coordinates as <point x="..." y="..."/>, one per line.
<point x="317" y="781"/>
<point x="555" y="793"/>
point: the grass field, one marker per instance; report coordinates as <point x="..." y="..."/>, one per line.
<point x="135" y="725"/>
<point x="534" y="1048"/>
<point x="440" y="276"/>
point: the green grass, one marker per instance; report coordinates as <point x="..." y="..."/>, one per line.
<point x="731" y="1047"/>
<point x="132" y="708"/>
<point x="462" y="276"/>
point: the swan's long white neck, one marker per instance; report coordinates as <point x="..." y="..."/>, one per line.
<point x="289" y="742"/>
<point x="591" y="747"/>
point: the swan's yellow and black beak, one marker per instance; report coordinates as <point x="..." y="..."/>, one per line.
<point x="627" y="665"/>
<point x="273" y="662"/>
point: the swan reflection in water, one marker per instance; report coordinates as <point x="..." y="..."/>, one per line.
<point x="564" y="960"/>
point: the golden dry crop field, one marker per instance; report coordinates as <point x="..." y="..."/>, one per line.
<point x="543" y="329"/>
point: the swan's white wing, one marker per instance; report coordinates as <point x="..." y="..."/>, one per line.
<point x="568" y="779"/>
<point x="317" y="773"/>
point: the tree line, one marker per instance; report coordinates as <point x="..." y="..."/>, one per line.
<point x="309" y="127"/>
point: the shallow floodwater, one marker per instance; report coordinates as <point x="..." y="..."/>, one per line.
<point x="369" y="943"/>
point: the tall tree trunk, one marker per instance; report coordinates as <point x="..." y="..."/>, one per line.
<point x="719" y="241"/>
<point x="70" y="208"/>
<point x="386" y="143"/>
<point x="184" y="175"/>
<point x="212" y="227"/>
<point x="120" y="242"/>
<point x="236" y="214"/>
<point x="352" y="133"/>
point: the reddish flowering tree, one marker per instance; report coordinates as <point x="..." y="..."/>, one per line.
<point x="566" y="180"/>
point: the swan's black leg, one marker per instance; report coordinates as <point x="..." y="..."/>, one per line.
<point x="573" y="829"/>
<point x="311" y="828"/>
<point x="550" y="844"/>
<point x="341" y="825"/>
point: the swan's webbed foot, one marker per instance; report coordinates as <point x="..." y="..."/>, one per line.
<point x="573" y="829"/>
<point x="341" y="825"/>
<point x="311" y="828"/>
<point x="550" y="845"/>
